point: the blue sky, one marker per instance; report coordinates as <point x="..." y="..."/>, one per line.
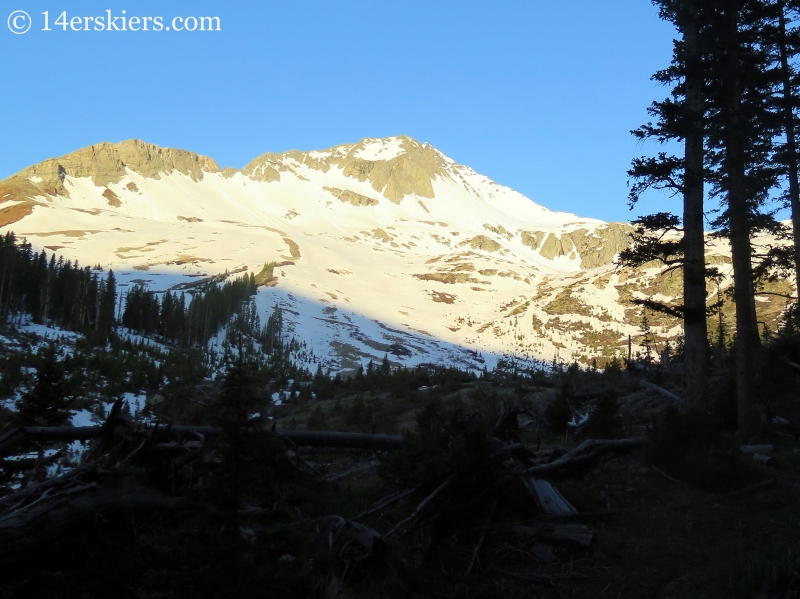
<point x="538" y="95"/>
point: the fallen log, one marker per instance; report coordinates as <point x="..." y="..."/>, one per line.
<point x="587" y="451"/>
<point x="652" y="387"/>
<point x="548" y="498"/>
<point x="29" y="434"/>
<point x="420" y="507"/>
<point x="571" y="532"/>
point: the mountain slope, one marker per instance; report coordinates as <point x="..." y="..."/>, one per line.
<point x="383" y="246"/>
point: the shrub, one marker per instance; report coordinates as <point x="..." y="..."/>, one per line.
<point x="317" y="420"/>
<point x="605" y="422"/>
<point x="559" y="413"/>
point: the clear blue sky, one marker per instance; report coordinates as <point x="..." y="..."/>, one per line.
<point x="538" y="95"/>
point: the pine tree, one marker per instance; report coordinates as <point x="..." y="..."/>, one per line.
<point x="725" y="107"/>
<point x="317" y="419"/>
<point x="605" y="422"/>
<point x="680" y="117"/>
<point x="107" y="301"/>
<point x="647" y="339"/>
<point x="238" y="442"/>
<point x="721" y="340"/>
<point x="742" y="131"/>
<point x="559" y="412"/>
<point x="787" y="43"/>
<point x="46" y="404"/>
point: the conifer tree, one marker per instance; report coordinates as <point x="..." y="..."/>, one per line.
<point x="647" y="339"/>
<point x="742" y="130"/>
<point x="46" y="404"/>
<point x="724" y="108"/>
<point x="680" y="117"/>
<point x="107" y="301"/>
<point x="787" y="102"/>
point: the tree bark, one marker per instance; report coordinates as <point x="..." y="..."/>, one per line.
<point x="571" y="532"/>
<point x="548" y="498"/>
<point x="747" y="339"/>
<point x="587" y="451"/>
<point x="652" y="387"/>
<point x="694" y="282"/>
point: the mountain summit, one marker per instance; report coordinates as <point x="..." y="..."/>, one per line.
<point x="382" y="246"/>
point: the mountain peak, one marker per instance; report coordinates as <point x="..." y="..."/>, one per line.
<point x="104" y="163"/>
<point x="379" y="242"/>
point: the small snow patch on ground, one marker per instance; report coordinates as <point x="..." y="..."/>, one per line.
<point x="46" y="332"/>
<point x="82" y="418"/>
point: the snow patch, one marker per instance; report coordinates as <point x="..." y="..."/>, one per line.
<point x="83" y="418"/>
<point x="380" y="149"/>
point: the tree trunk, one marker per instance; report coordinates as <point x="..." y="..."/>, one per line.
<point x="548" y="498"/>
<point x="747" y="340"/>
<point x="569" y="532"/>
<point x="694" y="282"/>
<point x="791" y="143"/>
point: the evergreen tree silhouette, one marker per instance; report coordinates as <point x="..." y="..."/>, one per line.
<point x="46" y="404"/>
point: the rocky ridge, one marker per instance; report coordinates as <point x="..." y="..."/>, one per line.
<point x="378" y="245"/>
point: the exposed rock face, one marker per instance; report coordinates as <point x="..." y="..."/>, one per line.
<point x="599" y="247"/>
<point x="596" y="248"/>
<point x="14" y="213"/>
<point x="482" y="242"/>
<point x="408" y="173"/>
<point x="407" y="170"/>
<point x="112" y="198"/>
<point x="498" y="230"/>
<point x="104" y="163"/>
<point x="533" y="239"/>
<point x="265" y="168"/>
<point x="351" y="197"/>
<point x="554" y="247"/>
<point x="449" y="278"/>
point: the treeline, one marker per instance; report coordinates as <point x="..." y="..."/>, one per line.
<point x="64" y="294"/>
<point x="194" y="322"/>
<point x="733" y="105"/>
<point x="398" y="380"/>
<point x="52" y="290"/>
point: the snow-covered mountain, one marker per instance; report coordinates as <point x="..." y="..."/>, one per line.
<point x="383" y="246"/>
